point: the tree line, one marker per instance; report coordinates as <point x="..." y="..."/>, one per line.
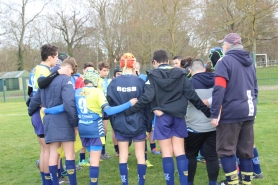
<point x="102" y="30"/>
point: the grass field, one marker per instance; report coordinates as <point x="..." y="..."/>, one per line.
<point x="267" y="75"/>
<point x="20" y="150"/>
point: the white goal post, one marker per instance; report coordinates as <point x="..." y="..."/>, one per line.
<point x="264" y="63"/>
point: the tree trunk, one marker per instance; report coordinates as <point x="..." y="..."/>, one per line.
<point x="70" y="49"/>
<point x="254" y="27"/>
<point x="20" y="58"/>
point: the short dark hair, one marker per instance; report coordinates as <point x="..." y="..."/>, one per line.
<point x="48" y="50"/>
<point x="186" y="62"/>
<point x="88" y="64"/>
<point x="86" y="82"/>
<point x="209" y="67"/>
<point x="102" y="65"/>
<point x="177" y="57"/>
<point x="161" y="56"/>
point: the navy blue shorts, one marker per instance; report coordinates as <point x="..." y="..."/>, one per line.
<point x="141" y="137"/>
<point x="167" y="126"/>
<point x="37" y="123"/>
<point x="90" y="141"/>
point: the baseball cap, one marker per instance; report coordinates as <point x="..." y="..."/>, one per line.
<point x="92" y="76"/>
<point x="232" y="38"/>
<point x="117" y="69"/>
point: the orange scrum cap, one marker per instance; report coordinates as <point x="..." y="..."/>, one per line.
<point x="128" y="60"/>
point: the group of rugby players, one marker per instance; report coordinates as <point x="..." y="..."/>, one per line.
<point x="169" y="104"/>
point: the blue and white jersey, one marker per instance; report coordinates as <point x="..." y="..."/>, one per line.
<point x="90" y="102"/>
<point x="31" y="80"/>
<point x="40" y="71"/>
<point x="103" y="84"/>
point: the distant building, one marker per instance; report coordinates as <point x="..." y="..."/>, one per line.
<point x="14" y="80"/>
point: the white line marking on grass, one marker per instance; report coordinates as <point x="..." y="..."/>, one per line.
<point x="267" y="111"/>
<point x="13" y="114"/>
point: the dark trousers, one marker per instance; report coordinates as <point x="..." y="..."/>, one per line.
<point x="206" y="141"/>
<point x="235" y="138"/>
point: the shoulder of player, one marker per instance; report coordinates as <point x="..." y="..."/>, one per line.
<point x="121" y="78"/>
<point x="41" y="71"/>
<point x="226" y="58"/>
<point x="64" y="79"/>
<point x="41" y="67"/>
<point x="96" y="90"/>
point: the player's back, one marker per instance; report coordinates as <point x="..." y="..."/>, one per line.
<point x="54" y="94"/>
<point x="89" y="100"/>
<point x="89" y="104"/>
<point x="121" y="90"/>
<point x="124" y="88"/>
<point x="60" y="91"/>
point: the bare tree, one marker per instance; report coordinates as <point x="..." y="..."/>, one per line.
<point x="259" y="11"/>
<point x="252" y="19"/>
<point x="17" y="22"/>
<point x="153" y="25"/>
<point x="110" y="18"/>
<point x="72" y="21"/>
<point x="176" y="16"/>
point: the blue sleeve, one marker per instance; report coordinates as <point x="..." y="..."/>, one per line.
<point x="35" y="103"/>
<point x="55" y="110"/>
<point x="143" y="77"/>
<point x="114" y="110"/>
<point x="31" y="79"/>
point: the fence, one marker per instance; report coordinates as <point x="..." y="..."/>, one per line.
<point x="263" y="63"/>
<point x="268" y="84"/>
<point x="15" y="89"/>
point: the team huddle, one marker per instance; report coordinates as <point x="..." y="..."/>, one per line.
<point x="190" y="108"/>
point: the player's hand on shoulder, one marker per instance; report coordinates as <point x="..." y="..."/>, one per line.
<point x="63" y="71"/>
<point x="158" y="112"/>
<point x="133" y="101"/>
